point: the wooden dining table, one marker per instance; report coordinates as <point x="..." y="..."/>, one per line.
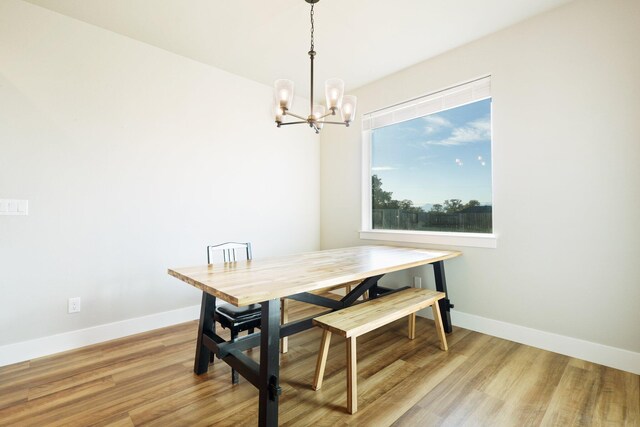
<point x="296" y="277"/>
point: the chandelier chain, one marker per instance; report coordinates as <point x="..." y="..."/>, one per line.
<point x="312" y="27"/>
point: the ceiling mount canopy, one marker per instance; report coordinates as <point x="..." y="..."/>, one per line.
<point x="336" y="101"/>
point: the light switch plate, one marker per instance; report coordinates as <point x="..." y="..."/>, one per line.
<point x="23" y="207"/>
<point x="14" y="207"/>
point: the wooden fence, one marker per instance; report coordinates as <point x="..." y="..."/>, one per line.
<point x="466" y="222"/>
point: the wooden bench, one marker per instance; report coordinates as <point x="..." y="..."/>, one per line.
<point x="359" y="319"/>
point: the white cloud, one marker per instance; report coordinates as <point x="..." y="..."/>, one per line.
<point x="383" y="168"/>
<point x="478" y="130"/>
<point x="434" y="123"/>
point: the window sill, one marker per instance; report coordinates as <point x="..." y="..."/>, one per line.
<point x="432" y="237"/>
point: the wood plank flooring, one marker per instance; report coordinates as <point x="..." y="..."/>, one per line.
<point x="147" y="379"/>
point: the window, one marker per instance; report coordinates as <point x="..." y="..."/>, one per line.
<point x="427" y="169"/>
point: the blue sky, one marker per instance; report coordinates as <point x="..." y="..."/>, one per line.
<point x="446" y="155"/>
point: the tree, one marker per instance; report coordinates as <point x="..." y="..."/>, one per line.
<point x="380" y="199"/>
<point x="406" y="205"/>
<point x="471" y="204"/>
<point x="437" y="208"/>
<point x="453" y="205"/>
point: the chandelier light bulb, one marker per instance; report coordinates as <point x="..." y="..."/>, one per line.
<point x="334" y="89"/>
<point x="284" y="93"/>
<point x="279" y="113"/>
<point x="318" y="112"/>
<point x="348" y="109"/>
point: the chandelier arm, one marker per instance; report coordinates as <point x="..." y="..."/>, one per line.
<point x="289" y="113"/>
<point x="330" y="113"/>
<point x="335" y="123"/>
<point x="291" y="123"/>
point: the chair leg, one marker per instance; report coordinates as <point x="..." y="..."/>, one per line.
<point x="352" y="376"/>
<point x="234" y="374"/>
<point x="284" y="318"/>
<point x="322" y="359"/>
<point x="439" y="327"/>
<point x="212" y="357"/>
<point x="412" y="326"/>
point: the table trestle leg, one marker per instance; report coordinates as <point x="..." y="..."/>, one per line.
<point x="269" y="363"/>
<point x="206" y="326"/>
<point x="445" y="304"/>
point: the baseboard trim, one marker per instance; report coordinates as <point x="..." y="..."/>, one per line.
<point x="612" y="357"/>
<point x="597" y="353"/>
<point x="45" y="346"/>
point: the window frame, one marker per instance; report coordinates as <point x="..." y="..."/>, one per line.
<point x="367" y="232"/>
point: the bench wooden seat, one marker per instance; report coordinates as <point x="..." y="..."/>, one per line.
<point x="359" y="319"/>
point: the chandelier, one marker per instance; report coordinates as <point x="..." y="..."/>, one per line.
<point x="337" y="102"/>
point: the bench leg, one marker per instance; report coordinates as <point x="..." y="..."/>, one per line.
<point x="322" y="359"/>
<point x="352" y="376"/>
<point x="439" y="326"/>
<point x="412" y="326"/>
<point x="284" y="318"/>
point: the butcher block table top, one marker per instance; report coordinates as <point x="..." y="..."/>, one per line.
<point x="247" y="282"/>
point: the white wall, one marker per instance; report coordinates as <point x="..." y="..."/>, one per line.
<point x="132" y="159"/>
<point x="566" y="122"/>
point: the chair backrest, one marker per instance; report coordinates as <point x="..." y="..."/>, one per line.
<point x="228" y="250"/>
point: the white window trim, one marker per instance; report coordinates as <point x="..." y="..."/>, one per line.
<point x="479" y="240"/>
<point x="476" y="240"/>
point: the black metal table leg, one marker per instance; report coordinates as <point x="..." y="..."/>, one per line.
<point x="269" y="363"/>
<point x="207" y="309"/>
<point x="445" y="304"/>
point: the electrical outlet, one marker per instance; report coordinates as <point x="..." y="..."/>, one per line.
<point x="74" y="305"/>
<point x="417" y="282"/>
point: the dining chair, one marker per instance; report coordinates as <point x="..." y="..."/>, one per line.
<point x="236" y="319"/>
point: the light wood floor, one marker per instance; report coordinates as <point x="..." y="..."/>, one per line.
<point x="147" y="379"/>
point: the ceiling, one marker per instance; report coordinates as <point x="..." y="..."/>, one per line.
<point x="357" y="40"/>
